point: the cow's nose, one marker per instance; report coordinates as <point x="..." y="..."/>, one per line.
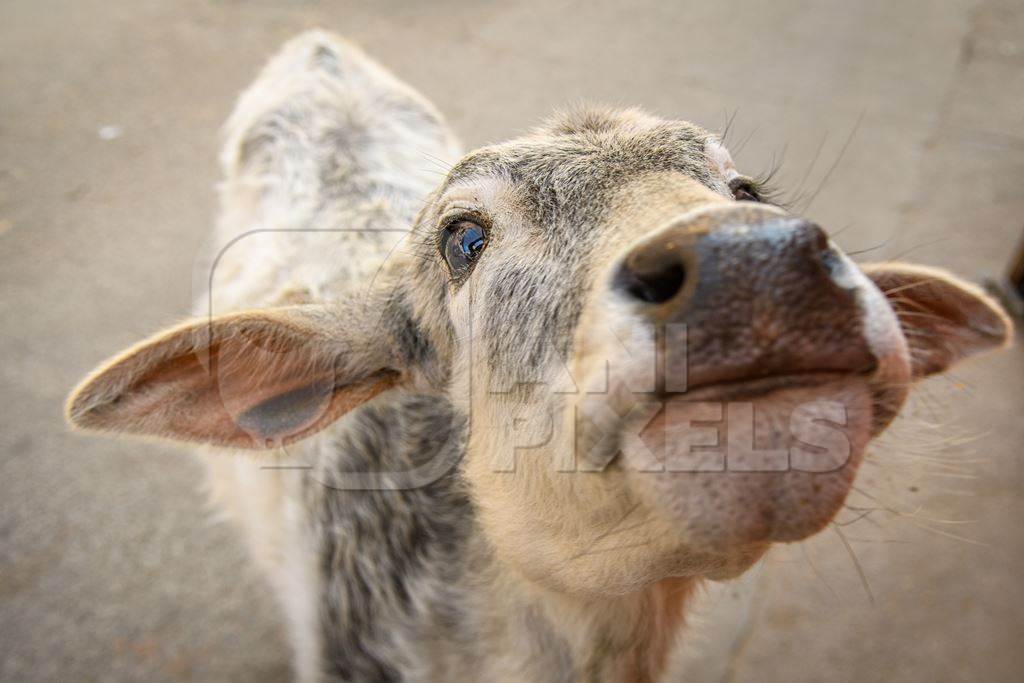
<point x="740" y="254"/>
<point x="750" y="291"/>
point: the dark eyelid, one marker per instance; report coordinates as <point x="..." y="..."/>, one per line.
<point x="751" y="185"/>
<point x="455" y="214"/>
<point x="742" y="181"/>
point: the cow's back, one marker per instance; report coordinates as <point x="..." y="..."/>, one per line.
<point x="326" y="162"/>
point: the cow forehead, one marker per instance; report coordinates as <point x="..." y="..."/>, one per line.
<point x="566" y="167"/>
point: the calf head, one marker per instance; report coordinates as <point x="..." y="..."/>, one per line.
<point x="661" y="374"/>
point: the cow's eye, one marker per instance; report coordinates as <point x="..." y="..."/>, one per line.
<point x="743" y="190"/>
<point x="461" y="245"/>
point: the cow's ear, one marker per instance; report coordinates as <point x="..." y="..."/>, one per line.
<point x="944" y="318"/>
<point x="257" y="379"/>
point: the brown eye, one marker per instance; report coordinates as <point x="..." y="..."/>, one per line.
<point x="461" y="245"/>
<point x="744" y="191"/>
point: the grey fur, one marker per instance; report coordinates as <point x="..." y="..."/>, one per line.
<point x="392" y="562"/>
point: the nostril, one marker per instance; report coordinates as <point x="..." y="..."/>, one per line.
<point x="653" y="280"/>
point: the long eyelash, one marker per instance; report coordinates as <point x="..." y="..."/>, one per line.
<point x="766" y="187"/>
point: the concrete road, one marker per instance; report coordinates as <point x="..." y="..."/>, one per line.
<point x="902" y="123"/>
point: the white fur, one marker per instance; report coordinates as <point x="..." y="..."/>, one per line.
<point x="278" y="241"/>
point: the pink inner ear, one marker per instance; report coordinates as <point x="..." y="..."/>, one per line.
<point x="252" y="389"/>
<point x="263" y="393"/>
<point x="943" y="318"/>
<point x="298" y="413"/>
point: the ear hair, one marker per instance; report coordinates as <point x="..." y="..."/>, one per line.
<point x="944" y="318"/>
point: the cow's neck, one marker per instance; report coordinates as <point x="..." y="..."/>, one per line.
<point x="626" y="638"/>
<point x="410" y="588"/>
